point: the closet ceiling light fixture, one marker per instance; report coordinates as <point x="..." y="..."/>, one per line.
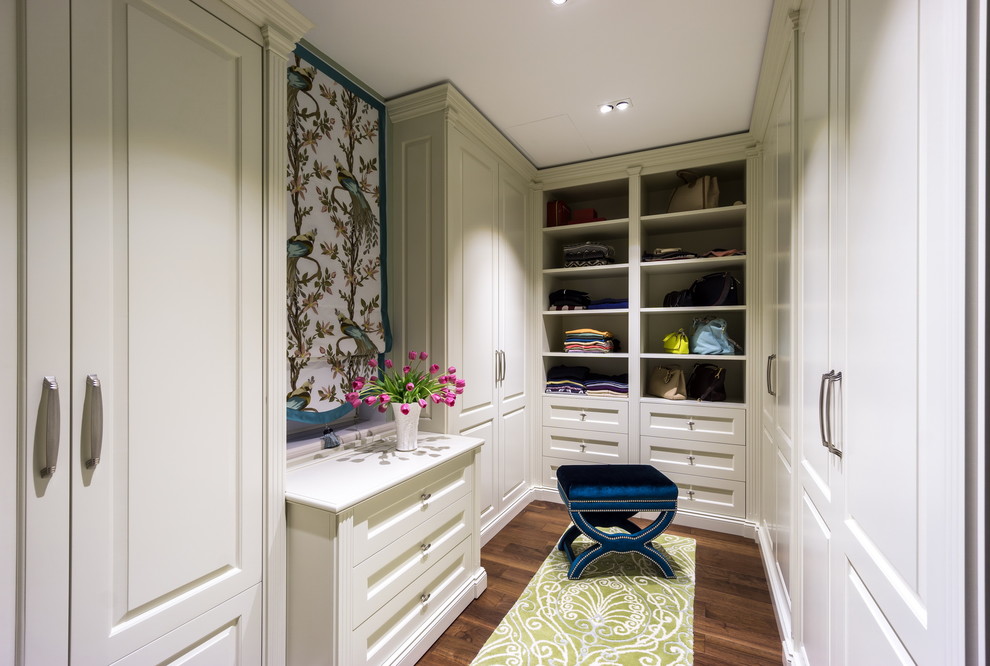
<point x="620" y="105"/>
<point x="558" y="2"/>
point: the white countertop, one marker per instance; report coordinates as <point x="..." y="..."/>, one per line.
<point x="338" y="482"/>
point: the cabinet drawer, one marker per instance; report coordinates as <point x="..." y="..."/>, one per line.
<point x="691" y="421"/>
<point x="380" y="520"/>
<point x="387" y="572"/>
<point x="722" y="461"/>
<point x="550" y="466"/>
<point x="709" y="495"/>
<point x="585" y="446"/>
<point x="375" y="640"/>
<point x="587" y="413"/>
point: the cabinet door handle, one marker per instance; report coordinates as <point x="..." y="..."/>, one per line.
<point x="501" y="353"/>
<point x="423" y="598"/>
<point x="770" y="360"/>
<point x="50" y="419"/>
<point x="425" y="497"/>
<point x="829" y="416"/>
<point x="425" y="546"/>
<point x="821" y="407"/>
<point x="94" y="404"/>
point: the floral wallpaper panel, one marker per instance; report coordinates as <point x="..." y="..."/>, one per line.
<point x="335" y="250"/>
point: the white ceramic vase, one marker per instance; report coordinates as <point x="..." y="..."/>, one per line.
<point x="406" y="427"/>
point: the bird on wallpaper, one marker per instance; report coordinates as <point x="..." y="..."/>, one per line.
<point x="297" y="248"/>
<point x="362" y="216"/>
<point x="300" y="79"/>
<point x="365" y="347"/>
<point x="299" y="399"/>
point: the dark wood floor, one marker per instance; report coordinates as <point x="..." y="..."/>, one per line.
<point x="733" y="617"/>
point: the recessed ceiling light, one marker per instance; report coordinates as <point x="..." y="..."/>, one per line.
<point x="605" y="108"/>
<point x="558" y="2"/>
<point x="622" y="105"/>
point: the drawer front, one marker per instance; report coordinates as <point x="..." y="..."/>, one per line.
<point x="386" y="573"/>
<point x="588" y="414"/>
<point x="708" y="495"/>
<point x="380" y="520"/>
<point x="374" y="641"/>
<point x="585" y="445"/>
<point x="550" y="466"/>
<point x="720" y="461"/>
<point x="710" y="424"/>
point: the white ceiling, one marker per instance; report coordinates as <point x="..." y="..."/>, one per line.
<point x="539" y="71"/>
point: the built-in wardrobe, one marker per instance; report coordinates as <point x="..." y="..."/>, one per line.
<point x="863" y="247"/>
<point x="147" y="502"/>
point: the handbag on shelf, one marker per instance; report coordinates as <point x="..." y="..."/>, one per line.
<point x="707" y="382"/>
<point x="667" y="382"/>
<point x="678" y="299"/>
<point x="710" y="336"/>
<point x="715" y="289"/>
<point x="698" y="191"/>
<point x="558" y="213"/>
<point x="676" y="343"/>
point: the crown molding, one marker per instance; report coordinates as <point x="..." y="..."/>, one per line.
<point x="462" y="115"/>
<point x="277" y="13"/>
<point x="655" y="160"/>
<point x="784" y="19"/>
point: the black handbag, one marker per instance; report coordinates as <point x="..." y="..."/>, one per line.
<point x="707" y="382"/>
<point x="715" y="289"/>
<point x="678" y="299"/>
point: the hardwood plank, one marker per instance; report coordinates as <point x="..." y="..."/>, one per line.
<point x="734" y="619"/>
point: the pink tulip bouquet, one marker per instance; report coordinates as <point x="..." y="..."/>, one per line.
<point x="411" y="386"/>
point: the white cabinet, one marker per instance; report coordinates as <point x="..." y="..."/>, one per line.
<point x="383" y="550"/>
<point x="461" y="225"/>
<point x="880" y="436"/>
<point x="143" y="484"/>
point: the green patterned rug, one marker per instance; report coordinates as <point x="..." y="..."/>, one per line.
<point x="622" y="611"/>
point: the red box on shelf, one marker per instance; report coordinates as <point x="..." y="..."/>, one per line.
<point x="557" y="213"/>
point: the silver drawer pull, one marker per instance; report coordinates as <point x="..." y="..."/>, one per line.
<point x="691" y="495"/>
<point x="583" y="416"/>
<point x="691" y="460"/>
<point x="425" y="547"/>
<point x="690" y="424"/>
<point x="425" y="496"/>
<point x="423" y="598"/>
<point x="582" y="448"/>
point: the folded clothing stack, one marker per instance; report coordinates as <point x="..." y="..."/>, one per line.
<point x="668" y="254"/>
<point x="566" y="379"/>
<point x="608" y="304"/>
<point x="588" y="253"/>
<point x="616" y="386"/>
<point x="589" y="340"/>
<point x="569" y="299"/>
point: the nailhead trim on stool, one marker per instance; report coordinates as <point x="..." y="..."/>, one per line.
<point x="603" y="496"/>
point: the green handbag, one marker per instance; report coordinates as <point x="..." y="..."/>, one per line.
<point x="676" y="342"/>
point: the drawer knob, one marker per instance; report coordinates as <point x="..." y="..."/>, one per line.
<point x="425" y="496"/>
<point x="425" y="547"/>
<point x="691" y="495"/>
<point x="691" y="460"/>
<point x="582" y="448"/>
<point x="690" y="424"/>
<point x="423" y="598"/>
<point x="583" y="416"/>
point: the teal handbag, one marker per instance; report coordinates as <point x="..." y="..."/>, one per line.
<point x="708" y="336"/>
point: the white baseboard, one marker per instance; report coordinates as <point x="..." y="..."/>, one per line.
<point x="781" y="601"/>
<point x="424" y="639"/>
<point x="495" y="525"/>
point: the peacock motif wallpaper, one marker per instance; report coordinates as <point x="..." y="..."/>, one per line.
<point x="336" y="290"/>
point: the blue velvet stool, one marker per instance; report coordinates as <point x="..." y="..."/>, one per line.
<point x="602" y="496"/>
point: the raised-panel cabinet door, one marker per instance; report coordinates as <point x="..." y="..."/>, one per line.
<point x="167" y="321"/>
<point x="472" y="325"/>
